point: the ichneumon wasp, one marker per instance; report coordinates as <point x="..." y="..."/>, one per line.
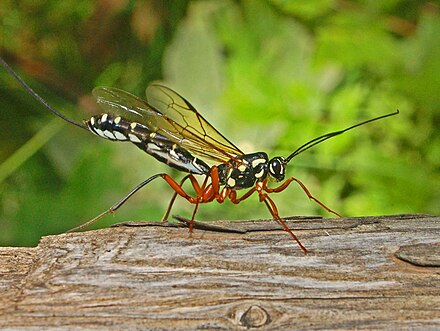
<point x="169" y="128"/>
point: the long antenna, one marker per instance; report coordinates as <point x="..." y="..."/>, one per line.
<point x="37" y="96"/>
<point x="324" y="137"/>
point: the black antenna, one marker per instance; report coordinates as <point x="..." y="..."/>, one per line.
<point x="37" y="96"/>
<point x="324" y="137"/>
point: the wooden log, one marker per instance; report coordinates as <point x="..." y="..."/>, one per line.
<point x="360" y="273"/>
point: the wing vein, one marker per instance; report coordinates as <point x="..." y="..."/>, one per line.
<point x="169" y="114"/>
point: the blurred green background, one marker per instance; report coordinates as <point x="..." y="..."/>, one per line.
<point x="270" y="75"/>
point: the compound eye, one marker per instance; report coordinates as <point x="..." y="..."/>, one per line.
<point x="277" y="168"/>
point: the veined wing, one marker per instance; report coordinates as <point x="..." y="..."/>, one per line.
<point x="170" y="116"/>
<point x="199" y="133"/>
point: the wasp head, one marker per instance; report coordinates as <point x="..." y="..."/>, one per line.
<point x="277" y="168"/>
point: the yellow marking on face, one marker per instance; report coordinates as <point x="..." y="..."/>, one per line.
<point x="271" y="169"/>
<point x="231" y="182"/>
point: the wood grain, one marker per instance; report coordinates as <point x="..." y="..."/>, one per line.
<point x="360" y="273"/>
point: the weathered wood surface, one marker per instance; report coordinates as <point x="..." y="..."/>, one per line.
<point x="360" y="273"/>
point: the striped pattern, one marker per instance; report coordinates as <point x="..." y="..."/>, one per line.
<point x="117" y="128"/>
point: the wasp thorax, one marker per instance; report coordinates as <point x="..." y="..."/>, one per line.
<point x="243" y="171"/>
<point x="277" y="168"/>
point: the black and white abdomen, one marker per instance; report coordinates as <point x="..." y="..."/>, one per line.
<point x="117" y="128"/>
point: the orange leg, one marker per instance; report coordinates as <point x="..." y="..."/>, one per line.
<point x="173" y="199"/>
<point x="200" y="191"/>
<point x="191" y="223"/>
<point x="179" y="190"/>
<point x="280" y="188"/>
<point x="205" y="193"/>
<point x="274" y="211"/>
<point x="270" y="205"/>
<point x="283" y="186"/>
<point x="235" y="200"/>
<point x="196" y="187"/>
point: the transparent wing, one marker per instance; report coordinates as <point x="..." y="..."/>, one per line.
<point x="171" y="116"/>
<point x="180" y="111"/>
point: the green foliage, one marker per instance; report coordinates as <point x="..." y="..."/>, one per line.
<point x="270" y="75"/>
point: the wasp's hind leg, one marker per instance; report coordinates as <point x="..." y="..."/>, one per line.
<point x="116" y="206"/>
<point x="171" y="182"/>
<point x="173" y="199"/>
